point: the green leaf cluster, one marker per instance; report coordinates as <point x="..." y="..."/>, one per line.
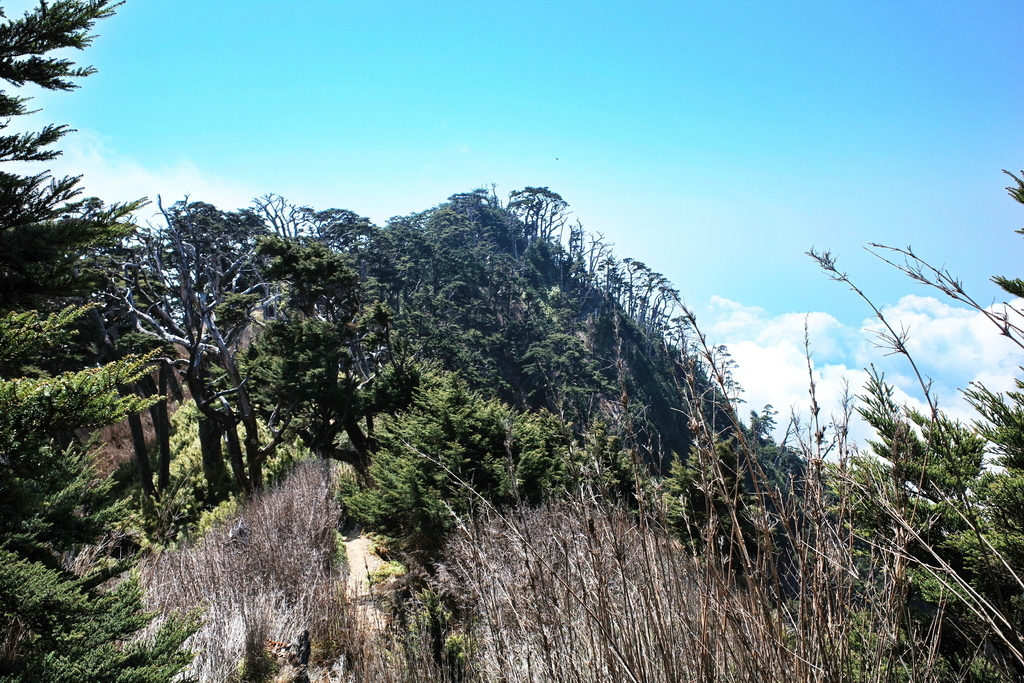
<point x="451" y="452"/>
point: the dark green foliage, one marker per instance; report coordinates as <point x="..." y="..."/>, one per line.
<point x="1013" y="286"/>
<point x="999" y="553"/>
<point x="66" y="613"/>
<point x="396" y="385"/>
<point x="217" y="241"/>
<point x="706" y="503"/>
<point x="450" y="452"/>
<point x="44" y="227"/>
<point x="45" y="480"/>
<point x="71" y="632"/>
<point x="537" y="446"/>
<point x="540" y="212"/>
<point x="310" y="362"/>
<point x="298" y="367"/>
<point x="1003" y="490"/>
<point x="58" y="623"/>
<point x="321" y="281"/>
<point x="605" y="465"/>
<point x="490" y="291"/>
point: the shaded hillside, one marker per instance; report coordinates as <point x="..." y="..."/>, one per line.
<point x="533" y="310"/>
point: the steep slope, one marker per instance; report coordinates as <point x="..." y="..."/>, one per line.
<point x="531" y="310"/>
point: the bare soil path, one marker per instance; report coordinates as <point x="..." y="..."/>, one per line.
<point x="361" y="561"/>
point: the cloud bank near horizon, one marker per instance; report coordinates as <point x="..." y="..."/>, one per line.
<point x="952" y="346"/>
<point x="117" y="178"/>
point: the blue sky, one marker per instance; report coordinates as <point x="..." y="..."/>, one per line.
<point x="716" y="142"/>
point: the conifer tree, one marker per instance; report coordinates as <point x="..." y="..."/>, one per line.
<point x="450" y="450"/>
<point x="942" y="500"/>
<point x="66" y="611"/>
<point x="44" y="224"/>
<point x="59" y="618"/>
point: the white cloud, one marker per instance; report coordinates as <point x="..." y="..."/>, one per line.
<point x="117" y="178"/>
<point x="830" y="338"/>
<point x="771" y="359"/>
<point x="951" y="342"/>
<point x="951" y="345"/>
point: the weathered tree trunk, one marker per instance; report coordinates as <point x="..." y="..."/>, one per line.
<point x="173" y="384"/>
<point x="237" y="460"/>
<point x="360" y="443"/>
<point x="141" y="453"/>
<point x="161" y="424"/>
<point x="254" y="455"/>
<point x="213" y="457"/>
<point x="219" y="423"/>
<point x="108" y="352"/>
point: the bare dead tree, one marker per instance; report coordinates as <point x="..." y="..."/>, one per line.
<point x="287" y="220"/>
<point x="192" y="282"/>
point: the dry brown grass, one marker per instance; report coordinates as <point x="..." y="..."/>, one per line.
<point x="581" y="590"/>
<point x="271" y="575"/>
<point x="116" y="450"/>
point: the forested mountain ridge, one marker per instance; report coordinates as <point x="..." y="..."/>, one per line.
<point x="473" y="287"/>
<point x="295" y="323"/>
<point x="473" y="359"/>
<point x="493" y="292"/>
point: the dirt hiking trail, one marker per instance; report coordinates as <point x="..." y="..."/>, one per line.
<point x="361" y="561"/>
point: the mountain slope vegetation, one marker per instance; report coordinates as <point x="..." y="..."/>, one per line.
<point x="535" y="433"/>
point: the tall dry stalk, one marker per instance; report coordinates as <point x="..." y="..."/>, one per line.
<point x="583" y="590"/>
